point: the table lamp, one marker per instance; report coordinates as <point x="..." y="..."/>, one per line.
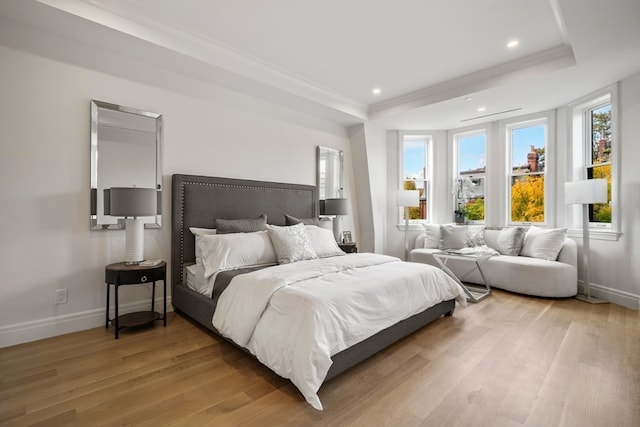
<point x="132" y="203"/>
<point x="585" y="193"/>
<point x="336" y="208"/>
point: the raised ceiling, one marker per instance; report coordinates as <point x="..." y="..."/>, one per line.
<point x="436" y="62"/>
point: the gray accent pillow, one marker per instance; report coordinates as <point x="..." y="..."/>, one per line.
<point x="453" y="237"/>
<point x="510" y="240"/>
<point x="292" y="220"/>
<point x="291" y="243"/>
<point x="249" y="225"/>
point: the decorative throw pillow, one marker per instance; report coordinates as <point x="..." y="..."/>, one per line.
<point x="431" y="236"/>
<point x="291" y="243"/>
<point x="453" y="237"/>
<point x="475" y="236"/>
<point x="248" y="225"/>
<point x="510" y="240"/>
<point x="230" y="251"/>
<point x="292" y="220"/>
<point x="197" y="232"/>
<point x="543" y="244"/>
<point x="323" y="242"/>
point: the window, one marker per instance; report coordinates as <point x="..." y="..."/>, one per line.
<point x="527" y="143"/>
<point x="595" y="154"/>
<point x="471" y="170"/>
<point x="598" y="158"/>
<point x="415" y="155"/>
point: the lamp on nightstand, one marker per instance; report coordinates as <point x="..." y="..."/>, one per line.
<point x="337" y="208"/>
<point x="585" y="193"/>
<point x="132" y="203"/>
<point x="407" y="199"/>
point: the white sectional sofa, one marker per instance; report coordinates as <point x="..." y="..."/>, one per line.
<point x="516" y="273"/>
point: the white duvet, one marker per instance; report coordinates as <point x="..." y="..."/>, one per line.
<point x="294" y="317"/>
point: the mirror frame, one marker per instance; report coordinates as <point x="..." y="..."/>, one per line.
<point x="340" y="159"/>
<point x="96" y="106"/>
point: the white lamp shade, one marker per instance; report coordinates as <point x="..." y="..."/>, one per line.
<point x="586" y="192"/>
<point x="335" y="206"/>
<point x="130" y="201"/>
<point x="408" y="198"/>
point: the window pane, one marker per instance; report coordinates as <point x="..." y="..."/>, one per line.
<point x="472" y="168"/>
<point x="601" y="134"/>
<point x="414" y="171"/>
<point x="527" y="198"/>
<point x="527" y="173"/>
<point x="601" y="212"/>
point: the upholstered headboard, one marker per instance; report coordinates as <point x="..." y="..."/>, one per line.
<point x="198" y="200"/>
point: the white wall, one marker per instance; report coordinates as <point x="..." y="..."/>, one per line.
<point x="45" y="242"/>
<point x="615" y="275"/>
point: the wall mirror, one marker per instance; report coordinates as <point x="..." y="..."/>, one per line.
<point x="125" y="152"/>
<point x="329" y="173"/>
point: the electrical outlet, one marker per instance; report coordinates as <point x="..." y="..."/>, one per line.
<point x="61" y="296"/>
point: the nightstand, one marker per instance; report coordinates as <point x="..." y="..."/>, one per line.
<point x="350" y="248"/>
<point x="121" y="274"/>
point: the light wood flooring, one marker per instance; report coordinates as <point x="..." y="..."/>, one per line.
<point x="506" y="361"/>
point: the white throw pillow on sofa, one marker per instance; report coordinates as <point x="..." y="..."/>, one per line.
<point x="431" y="236"/>
<point x="542" y="243"/>
<point x="510" y="240"/>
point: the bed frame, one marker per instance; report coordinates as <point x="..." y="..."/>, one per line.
<point x="198" y="200"/>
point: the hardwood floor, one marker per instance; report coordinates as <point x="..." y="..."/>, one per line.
<point x="506" y="361"/>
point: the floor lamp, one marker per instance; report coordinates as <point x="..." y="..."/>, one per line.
<point x="407" y="199"/>
<point x="585" y="193"/>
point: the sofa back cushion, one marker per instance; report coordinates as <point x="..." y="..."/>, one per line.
<point x="542" y="243"/>
<point x="509" y="240"/>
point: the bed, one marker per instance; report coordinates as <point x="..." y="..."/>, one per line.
<point x="197" y="201"/>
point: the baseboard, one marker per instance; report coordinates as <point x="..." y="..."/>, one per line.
<point x="53" y="326"/>
<point x="616" y="296"/>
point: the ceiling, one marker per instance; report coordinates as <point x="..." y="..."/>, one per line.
<point x="435" y="62"/>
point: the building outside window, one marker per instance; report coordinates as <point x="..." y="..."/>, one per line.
<point x="469" y="189"/>
<point x="415" y="156"/>
<point x="527" y="143"/>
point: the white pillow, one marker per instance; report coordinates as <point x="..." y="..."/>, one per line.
<point x="196" y="231"/>
<point x="542" y="243"/>
<point x="475" y="236"/>
<point x="510" y="240"/>
<point x="231" y="251"/>
<point x="453" y="237"/>
<point x="431" y="236"/>
<point x="291" y="243"/>
<point x="322" y="241"/>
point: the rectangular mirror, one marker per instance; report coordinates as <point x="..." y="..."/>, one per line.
<point x="329" y="173"/>
<point x="125" y="152"/>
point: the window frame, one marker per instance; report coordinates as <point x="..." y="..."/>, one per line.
<point x="580" y="122"/>
<point x="428" y="179"/>
<point x="547" y="121"/>
<point x="456" y="136"/>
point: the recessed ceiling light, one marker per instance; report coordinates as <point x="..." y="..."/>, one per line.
<point x="512" y="43"/>
<point x="468" y="98"/>
<point x="481" y="109"/>
<point x="376" y="91"/>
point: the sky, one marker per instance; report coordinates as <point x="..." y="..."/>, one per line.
<point x="472" y="150"/>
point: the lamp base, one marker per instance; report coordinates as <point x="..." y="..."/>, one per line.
<point x="590" y="300"/>
<point x="134" y="241"/>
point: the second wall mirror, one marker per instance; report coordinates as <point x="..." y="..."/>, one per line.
<point x="125" y="152"/>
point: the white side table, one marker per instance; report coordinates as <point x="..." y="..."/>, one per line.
<point x="475" y="293"/>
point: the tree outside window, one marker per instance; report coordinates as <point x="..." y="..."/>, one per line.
<point x="599" y="159"/>
<point x="414" y="171"/>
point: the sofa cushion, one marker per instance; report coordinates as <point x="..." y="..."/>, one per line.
<point x="543" y="244"/>
<point x="510" y="240"/>
<point x="431" y="236"/>
<point x="461" y="236"/>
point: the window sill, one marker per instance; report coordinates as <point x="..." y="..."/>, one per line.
<point x="595" y="234"/>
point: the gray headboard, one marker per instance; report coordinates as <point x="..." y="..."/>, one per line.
<point x="198" y="200"/>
